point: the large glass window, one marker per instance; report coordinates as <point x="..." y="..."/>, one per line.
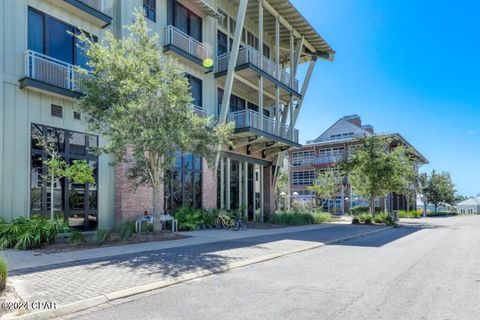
<point x="302" y="158"/>
<point x="195" y="89"/>
<point x="150" y="9"/>
<point x="75" y="202"/>
<point x="302" y="178"/>
<point x="54" y="38"/>
<point x="183" y="185"/>
<point x="187" y="21"/>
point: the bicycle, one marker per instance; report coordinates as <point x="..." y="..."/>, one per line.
<point x="226" y="222"/>
<point x="243" y="223"/>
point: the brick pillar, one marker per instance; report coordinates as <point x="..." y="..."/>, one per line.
<point x="209" y="186"/>
<point x="268" y="192"/>
<point x="131" y="201"/>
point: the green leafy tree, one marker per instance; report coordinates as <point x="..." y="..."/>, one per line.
<point x="56" y="168"/>
<point x="327" y="186"/>
<point x="375" y="170"/>
<point x="281" y="186"/>
<point x="440" y="188"/>
<point x="140" y="101"/>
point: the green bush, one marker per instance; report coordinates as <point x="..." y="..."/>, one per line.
<point x="409" y="214"/>
<point x="355" y="220"/>
<point x="380" y="217"/>
<point x="189" y="218"/>
<point x="359" y="210"/>
<point x="389" y="221"/>
<point x="209" y="216"/>
<point x="25" y="233"/>
<point x="296" y="219"/>
<point x="365" y="218"/>
<point x="3" y="274"/>
<point x="101" y="236"/>
<point x="126" y="230"/>
<point x="76" y="237"/>
<point x="322" y="217"/>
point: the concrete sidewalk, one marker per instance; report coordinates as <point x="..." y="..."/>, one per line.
<point x="18" y="259"/>
<point x="78" y="280"/>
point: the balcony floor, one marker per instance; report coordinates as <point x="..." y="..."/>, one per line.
<point x="37" y="85"/>
<point x="261" y="142"/>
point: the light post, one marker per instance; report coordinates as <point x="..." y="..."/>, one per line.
<point x="346" y="203"/>
<point x="283" y="195"/>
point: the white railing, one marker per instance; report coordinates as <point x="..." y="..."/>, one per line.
<point x="328" y="159"/>
<point x="251" y="55"/>
<point x="250" y="118"/>
<point x="184" y="42"/>
<point x="95" y="4"/>
<point x="200" y="111"/>
<point x="53" y="71"/>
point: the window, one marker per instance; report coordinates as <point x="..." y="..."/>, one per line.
<point x="331" y="155"/>
<point x="150" y="9"/>
<point x="236" y="103"/>
<point x="252" y="40"/>
<point x="252" y="106"/>
<point x="76" y="115"/>
<point x="76" y="202"/>
<point x="301" y="178"/>
<point x="302" y="158"/>
<point x="266" y="51"/>
<point x="196" y="90"/>
<point x="183" y="186"/>
<point x="222" y="45"/>
<point x="187" y="21"/>
<point x="52" y="37"/>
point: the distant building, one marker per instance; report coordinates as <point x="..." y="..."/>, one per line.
<point x="469" y="206"/>
<point x="331" y="147"/>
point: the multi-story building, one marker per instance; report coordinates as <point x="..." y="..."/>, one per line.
<point x="256" y="45"/>
<point x="334" y="145"/>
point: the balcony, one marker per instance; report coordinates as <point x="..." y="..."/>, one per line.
<point x="91" y="10"/>
<point x="44" y="73"/>
<point x="200" y="111"/>
<point x="250" y="58"/>
<point x="185" y="46"/>
<point x="326" y="160"/>
<point x="261" y="131"/>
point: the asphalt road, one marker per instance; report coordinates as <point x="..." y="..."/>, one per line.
<point x="428" y="270"/>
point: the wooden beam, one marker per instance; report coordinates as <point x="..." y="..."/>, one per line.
<point x="237" y="143"/>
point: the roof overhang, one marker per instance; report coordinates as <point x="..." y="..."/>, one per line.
<point x="208" y="9"/>
<point x="398" y="136"/>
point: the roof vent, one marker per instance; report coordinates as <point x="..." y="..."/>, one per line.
<point x="56" y="111"/>
<point x="76" y="115"/>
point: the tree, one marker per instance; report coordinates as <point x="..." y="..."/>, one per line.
<point x="375" y="170"/>
<point x="327" y="186"/>
<point x="140" y="101"/>
<point x="281" y="186"/>
<point x="439" y="188"/>
<point x="78" y="172"/>
<point x="410" y="184"/>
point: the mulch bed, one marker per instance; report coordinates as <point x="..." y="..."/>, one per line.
<point x="63" y="245"/>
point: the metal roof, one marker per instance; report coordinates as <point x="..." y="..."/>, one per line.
<point x="298" y="22"/>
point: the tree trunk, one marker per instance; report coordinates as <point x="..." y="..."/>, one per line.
<point x="157" y="208"/>
<point x="372" y="205"/>
<point x="52" y="181"/>
<point x="436" y="205"/>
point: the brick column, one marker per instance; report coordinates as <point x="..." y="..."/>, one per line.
<point x="131" y="201"/>
<point x="209" y="186"/>
<point x="268" y="192"/>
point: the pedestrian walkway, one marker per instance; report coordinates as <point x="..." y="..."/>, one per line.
<point x="65" y="282"/>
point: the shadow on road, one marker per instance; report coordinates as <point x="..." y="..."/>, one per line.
<point x="175" y="261"/>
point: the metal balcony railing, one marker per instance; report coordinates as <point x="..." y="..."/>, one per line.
<point x="186" y="43"/>
<point x="253" y="119"/>
<point x="251" y="55"/>
<point x="95" y="4"/>
<point x="328" y="159"/>
<point x="200" y="111"/>
<point x="53" y="71"/>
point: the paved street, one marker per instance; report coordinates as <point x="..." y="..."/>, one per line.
<point x="428" y="270"/>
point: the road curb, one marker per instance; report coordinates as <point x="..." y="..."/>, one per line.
<point x="92" y="302"/>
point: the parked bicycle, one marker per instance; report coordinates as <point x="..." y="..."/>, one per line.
<point x="226" y="222"/>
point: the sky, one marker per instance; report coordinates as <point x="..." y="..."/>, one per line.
<point x="410" y="67"/>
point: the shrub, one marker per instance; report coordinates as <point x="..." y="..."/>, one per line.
<point x="3" y="274"/>
<point x="409" y="214"/>
<point x="209" y="216"/>
<point x="189" y="218"/>
<point x="126" y="230"/>
<point x="389" y="221"/>
<point x="365" y="218"/>
<point x="292" y="218"/>
<point x="322" y="217"/>
<point x="25" y="233"/>
<point x="355" y="220"/>
<point x="101" y="236"/>
<point x="380" y="217"/>
<point x="76" y="237"/>
<point x="359" y="210"/>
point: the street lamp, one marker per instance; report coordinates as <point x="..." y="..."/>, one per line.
<point x="346" y="202"/>
<point x="283" y="195"/>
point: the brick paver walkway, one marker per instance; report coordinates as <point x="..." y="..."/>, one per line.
<point x="79" y="280"/>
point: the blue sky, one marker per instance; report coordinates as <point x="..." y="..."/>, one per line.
<point x="411" y="67"/>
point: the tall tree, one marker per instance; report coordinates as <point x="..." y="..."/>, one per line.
<point x="440" y="188"/>
<point x="327" y="186"/>
<point x="281" y="186"/>
<point x="375" y="170"/>
<point x="140" y="101"/>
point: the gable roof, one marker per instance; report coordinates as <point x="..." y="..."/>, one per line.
<point x="345" y="120"/>
<point x="470" y="202"/>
